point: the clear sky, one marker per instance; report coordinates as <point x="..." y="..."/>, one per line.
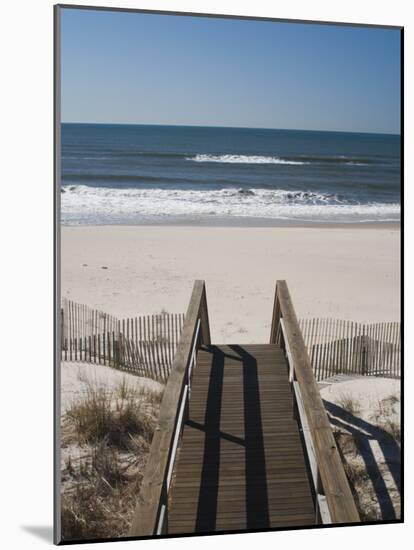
<point x="157" y="69"/>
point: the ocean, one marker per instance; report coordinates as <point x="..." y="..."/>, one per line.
<point x="138" y="174"/>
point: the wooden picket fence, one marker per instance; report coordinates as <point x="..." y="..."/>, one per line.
<point x="144" y="345"/>
<point x="345" y="347"/>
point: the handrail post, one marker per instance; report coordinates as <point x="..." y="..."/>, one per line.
<point x="204" y="321"/>
<point x="275" y="328"/>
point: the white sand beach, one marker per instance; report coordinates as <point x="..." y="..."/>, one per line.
<point x="348" y="272"/>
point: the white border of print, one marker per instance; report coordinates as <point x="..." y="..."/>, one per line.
<point x="26" y="41"/>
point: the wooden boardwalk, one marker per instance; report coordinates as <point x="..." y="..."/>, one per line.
<point x="241" y="464"/>
<point x="243" y="439"/>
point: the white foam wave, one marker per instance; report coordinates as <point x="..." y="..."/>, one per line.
<point x="243" y="159"/>
<point x="85" y="204"/>
<point x="94" y="158"/>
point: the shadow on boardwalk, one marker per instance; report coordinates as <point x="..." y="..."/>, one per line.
<point x="256" y="498"/>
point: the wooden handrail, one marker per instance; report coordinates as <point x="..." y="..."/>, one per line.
<point x="150" y="516"/>
<point x="341" y="504"/>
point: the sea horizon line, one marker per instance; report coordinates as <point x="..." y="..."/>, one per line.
<point x="230" y="127"/>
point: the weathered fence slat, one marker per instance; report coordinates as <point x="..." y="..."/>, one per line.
<point x="336" y="346"/>
<point x="144" y="345"/>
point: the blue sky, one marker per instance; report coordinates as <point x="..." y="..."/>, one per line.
<point x="156" y="69"/>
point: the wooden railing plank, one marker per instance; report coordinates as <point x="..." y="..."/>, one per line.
<point x="336" y="488"/>
<point x="149" y="499"/>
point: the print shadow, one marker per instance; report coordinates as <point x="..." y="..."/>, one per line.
<point x="42" y="532"/>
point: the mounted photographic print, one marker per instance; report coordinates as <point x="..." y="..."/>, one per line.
<point x="228" y="274"/>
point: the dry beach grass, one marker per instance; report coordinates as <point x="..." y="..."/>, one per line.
<point x="106" y="436"/>
<point x="365" y="418"/>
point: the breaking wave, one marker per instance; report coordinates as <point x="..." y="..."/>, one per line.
<point x="243" y="159"/>
<point x="99" y="205"/>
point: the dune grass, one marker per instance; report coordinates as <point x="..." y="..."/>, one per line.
<point x="350" y="405"/>
<point x="106" y="436"/>
<point x="368" y="473"/>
